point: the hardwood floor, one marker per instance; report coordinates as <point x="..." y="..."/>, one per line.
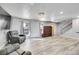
<point x="55" y="45"/>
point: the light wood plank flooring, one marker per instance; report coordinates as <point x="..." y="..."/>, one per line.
<point x="55" y="45"/>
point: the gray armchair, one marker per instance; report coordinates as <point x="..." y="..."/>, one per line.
<point x="13" y="49"/>
<point x="9" y="49"/>
<point x="14" y="37"/>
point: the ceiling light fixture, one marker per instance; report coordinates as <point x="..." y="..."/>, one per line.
<point x="61" y="12"/>
<point x="41" y="16"/>
<point x="77" y="16"/>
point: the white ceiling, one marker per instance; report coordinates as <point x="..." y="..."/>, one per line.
<point x="51" y="10"/>
<point x="17" y="9"/>
<point x="3" y="12"/>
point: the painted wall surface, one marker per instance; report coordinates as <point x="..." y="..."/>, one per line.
<point x="74" y="31"/>
<point x="75" y="25"/>
<point x="35" y="29"/>
<point x="15" y="24"/>
<point x="59" y="28"/>
<point x="3" y="32"/>
<point x="3" y="38"/>
<point x="64" y="26"/>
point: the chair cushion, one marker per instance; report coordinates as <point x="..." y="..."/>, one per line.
<point x="14" y="33"/>
<point x="9" y="49"/>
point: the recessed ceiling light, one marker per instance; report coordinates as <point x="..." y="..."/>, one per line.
<point x="61" y="12"/>
<point x="77" y="16"/>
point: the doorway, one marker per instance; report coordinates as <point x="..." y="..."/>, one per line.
<point x="47" y="31"/>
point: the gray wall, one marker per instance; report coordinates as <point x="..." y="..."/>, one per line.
<point x="35" y="26"/>
<point x="64" y="26"/>
<point x="15" y="24"/>
<point x="3" y="32"/>
<point x="35" y="29"/>
<point x="75" y="25"/>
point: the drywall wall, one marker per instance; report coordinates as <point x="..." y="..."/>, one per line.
<point x="47" y="23"/>
<point x="74" y="31"/>
<point x="3" y="32"/>
<point x="15" y="24"/>
<point x="35" y="29"/>
<point x="64" y="26"/>
<point x="3" y="40"/>
<point x="75" y="25"/>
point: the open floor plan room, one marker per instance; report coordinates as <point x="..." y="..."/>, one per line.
<point x="55" y="45"/>
<point x="39" y="28"/>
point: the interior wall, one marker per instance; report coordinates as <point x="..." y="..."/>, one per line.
<point x="3" y="32"/>
<point x="64" y="26"/>
<point x="46" y="23"/>
<point x="59" y="28"/>
<point x="15" y="24"/>
<point x="3" y="41"/>
<point x="75" y="25"/>
<point x="35" y="29"/>
<point x="35" y="26"/>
